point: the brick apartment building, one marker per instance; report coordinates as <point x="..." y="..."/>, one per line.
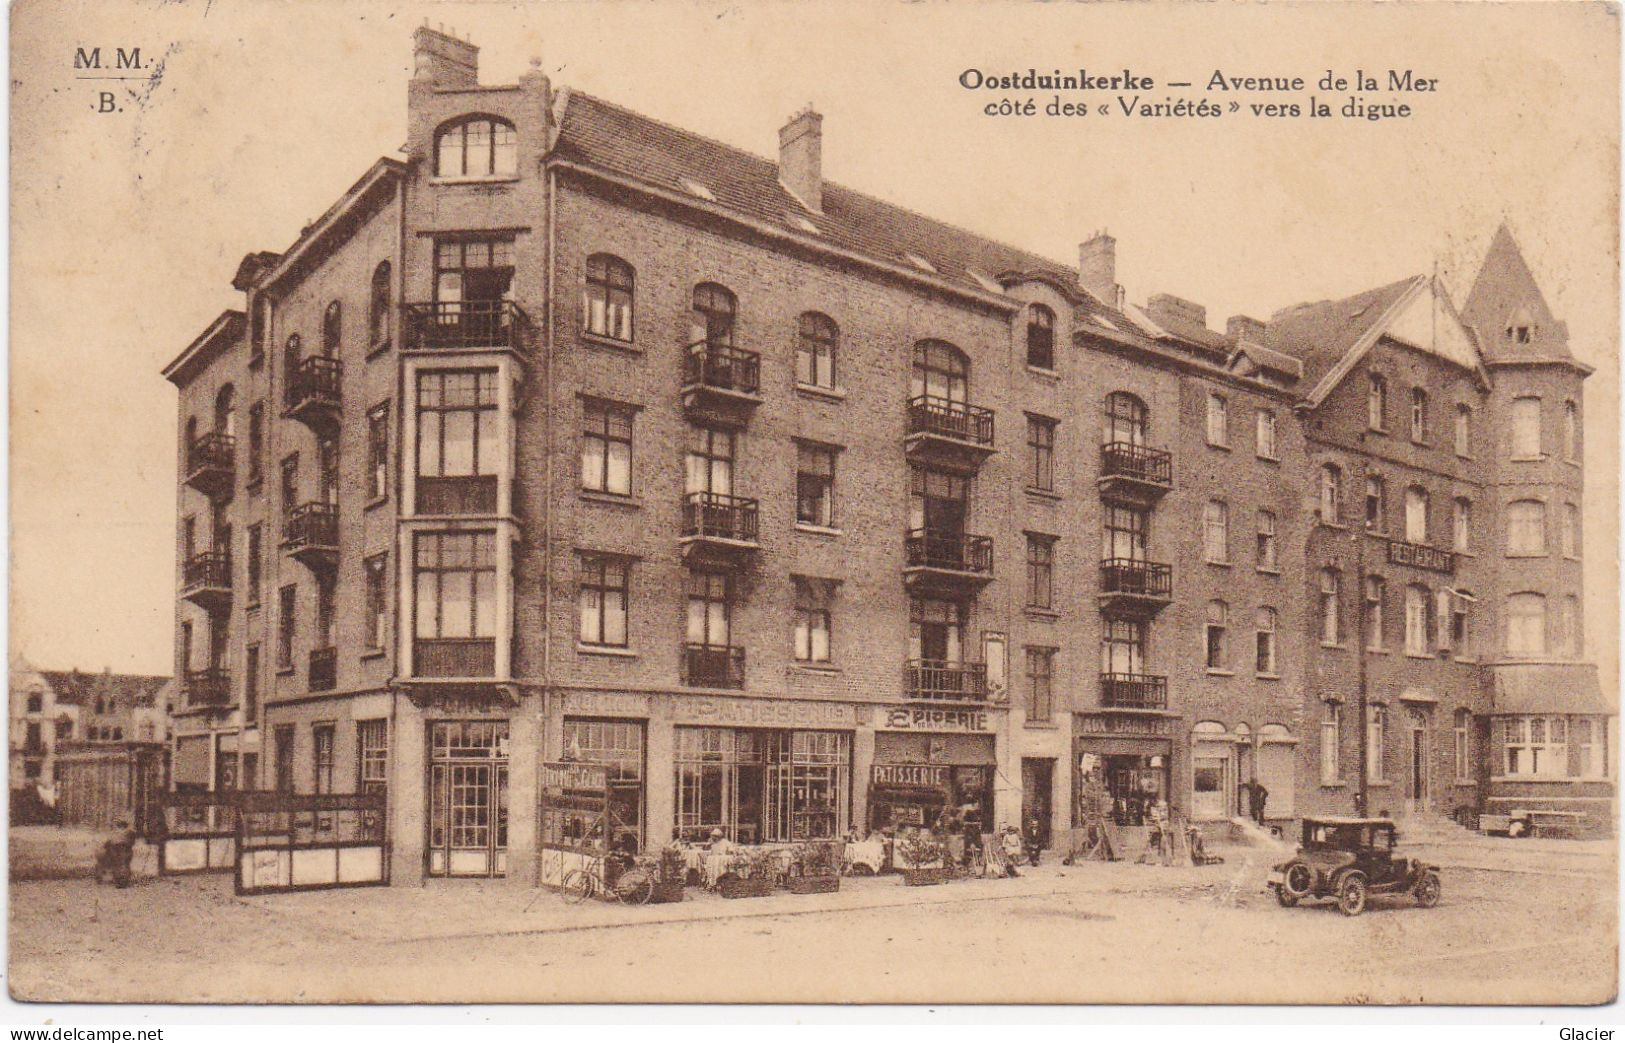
<point x="574" y="434"/>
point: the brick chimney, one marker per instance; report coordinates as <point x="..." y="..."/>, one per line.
<point x="1244" y="329"/>
<point x="444" y="60"/>
<point x="1097" y="268"/>
<point x="801" y="165"/>
<point x="1166" y="305"/>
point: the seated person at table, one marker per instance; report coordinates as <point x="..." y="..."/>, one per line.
<point x="720" y="844"/>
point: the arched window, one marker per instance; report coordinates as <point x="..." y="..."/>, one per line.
<point x="1462" y="526"/>
<point x="1040" y="337"/>
<point x="816" y="341"/>
<point x="1526" y="624"/>
<point x="1419" y="415"/>
<point x="1376" y="503"/>
<point x="1416" y="514"/>
<point x="1571" y="431"/>
<point x="1418" y="605"/>
<point x="1126" y="419"/>
<point x="1376" y="403"/>
<point x="1331" y="592"/>
<point x="1464" y="430"/>
<point x="1331" y="741"/>
<point x="225" y="411"/>
<point x="379" y="310"/>
<point x="291" y="354"/>
<point x="1266" y="642"/>
<point x="476" y="146"/>
<point x="1218" y="625"/>
<point x="1526" y="527"/>
<point x="1331" y="494"/>
<point x="941" y="371"/>
<point x="606" y="298"/>
<point x="714" y="311"/>
<point x="332" y="329"/>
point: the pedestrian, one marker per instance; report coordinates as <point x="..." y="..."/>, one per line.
<point x="1033" y="838"/>
<point x="1010" y="846"/>
<point x="1257" y="797"/>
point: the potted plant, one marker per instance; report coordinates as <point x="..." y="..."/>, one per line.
<point x="918" y="849"/>
<point x="751" y="874"/>
<point x="817" y="868"/>
<point x="671" y="875"/>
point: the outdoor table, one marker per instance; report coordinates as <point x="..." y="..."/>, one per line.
<point x="871" y="853"/>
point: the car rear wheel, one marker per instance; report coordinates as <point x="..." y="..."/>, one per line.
<point x="1428" y="890"/>
<point x="1351" y="894"/>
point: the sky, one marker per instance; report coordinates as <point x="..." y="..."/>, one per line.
<point x="127" y="226"/>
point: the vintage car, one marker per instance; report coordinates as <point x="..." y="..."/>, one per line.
<point x="1350" y="859"/>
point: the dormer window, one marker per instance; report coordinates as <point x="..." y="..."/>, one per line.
<point x="919" y="262"/>
<point x="694" y="188"/>
<point x="477" y="146"/>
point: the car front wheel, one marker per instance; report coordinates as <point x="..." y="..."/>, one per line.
<point x="1428" y="890"/>
<point x="1298" y="881"/>
<point x="1351" y="894"/>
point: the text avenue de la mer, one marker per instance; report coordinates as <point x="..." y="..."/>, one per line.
<point x="1373" y="95"/>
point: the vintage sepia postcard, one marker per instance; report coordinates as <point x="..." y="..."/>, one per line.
<point x="1107" y="503"/>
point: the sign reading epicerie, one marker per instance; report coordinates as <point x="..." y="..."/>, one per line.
<point x="934" y="719"/>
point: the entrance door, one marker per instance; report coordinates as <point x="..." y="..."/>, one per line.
<point x="1419" y="768"/>
<point x="1037" y="792"/>
<point x="468" y="798"/>
<point x="1211" y="787"/>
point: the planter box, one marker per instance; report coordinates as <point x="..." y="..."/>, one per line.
<point x="667" y="891"/>
<point x="813" y="885"/>
<point x="923" y="877"/>
<point x="746" y="887"/>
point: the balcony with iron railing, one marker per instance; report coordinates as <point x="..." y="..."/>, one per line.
<point x="314" y="395"/>
<point x="948" y="432"/>
<point x="942" y="680"/>
<point x="718" y="529"/>
<point x="206" y="580"/>
<point x="467" y="326"/>
<point x="323" y="669"/>
<point x="208" y="687"/>
<point x="713" y="666"/>
<point x="1135" y="588"/>
<point x="211" y="464"/>
<point x="1133" y="692"/>
<point x="721" y="383"/>
<point x="1135" y="474"/>
<point x="310" y="532"/>
<point x="946" y="561"/>
<point x="458" y="657"/>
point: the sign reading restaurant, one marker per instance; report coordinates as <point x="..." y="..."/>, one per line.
<point x="935" y="719"/>
<point x="1420" y="556"/>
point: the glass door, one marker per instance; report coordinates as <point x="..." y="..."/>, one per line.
<point x="468" y="798"/>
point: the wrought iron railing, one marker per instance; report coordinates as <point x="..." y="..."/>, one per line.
<point x="466" y="326"/>
<point x="208" y="687"/>
<point x="942" y="679"/>
<point x="934" y="415"/>
<point x="311" y="525"/>
<point x="713" y="666"/>
<point x="722" y="366"/>
<point x="719" y="516"/>
<point x="1132" y="576"/>
<point x="1134" y="691"/>
<point x="1141" y="463"/>
<point x="211" y="452"/>
<point x="958" y="551"/>
<point x="317" y="379"/>
<point x="209" y="570"/>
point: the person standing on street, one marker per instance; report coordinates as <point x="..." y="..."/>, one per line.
<point x="1257" y="795"/>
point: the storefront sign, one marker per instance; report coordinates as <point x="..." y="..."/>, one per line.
<point x="607" y="704"/>
<point x="935" y="719"/>
<point x="560" y="776"/>
<point x="1122" y="724"/>
<point x="1419" y="556"/>
<point x="765" y="713"/>
<point x="922" y="776"/>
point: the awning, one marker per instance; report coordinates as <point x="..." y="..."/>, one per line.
<point x="1548" y="688"/>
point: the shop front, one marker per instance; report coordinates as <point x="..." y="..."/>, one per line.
<point x="928" y="759"/>
<point x="1133" y="754"/>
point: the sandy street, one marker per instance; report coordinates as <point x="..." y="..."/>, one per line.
<point x="1097" y="933"/>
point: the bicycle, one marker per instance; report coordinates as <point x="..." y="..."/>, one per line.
<point x="634" y="885"/>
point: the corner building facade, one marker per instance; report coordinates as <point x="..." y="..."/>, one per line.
<point x="576" y="435"/>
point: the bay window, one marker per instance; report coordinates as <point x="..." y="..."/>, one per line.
<point x="459" y="443"/>
<point x="454" y="604"/>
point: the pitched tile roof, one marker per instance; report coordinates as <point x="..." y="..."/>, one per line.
<point x="1321" y="333"/>
<point x="81" y="689"/>
<point x="600" y="134"/>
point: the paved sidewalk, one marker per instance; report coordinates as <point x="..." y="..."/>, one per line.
<point x="66" y="852"/>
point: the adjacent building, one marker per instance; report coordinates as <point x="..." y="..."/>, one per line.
<point x="576" y="435"/>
